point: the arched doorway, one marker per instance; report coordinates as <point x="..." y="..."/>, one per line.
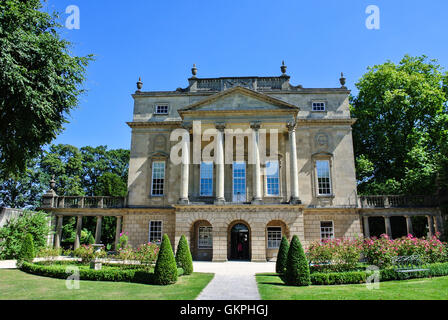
<point x="240" y="242"/>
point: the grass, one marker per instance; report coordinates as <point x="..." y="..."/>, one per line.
<point x="17" y="285"/>
<point x="272" y="288"/>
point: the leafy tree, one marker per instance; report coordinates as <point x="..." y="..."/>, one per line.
<point x="40" y="82"/>
<point x="165" y="271"/>
<point x="14" y="232"/>
<point x="27" y="252"/>
<point x="65" y="163"/>
<point x="96" y="162"/>
<point x="282" y="256"/>
<point x="25" y="190"/>
<point x="400" y="137"/>
<point x="297" y="272"/>
<point x="183" y="256"/>
<point x="110" y="185"/>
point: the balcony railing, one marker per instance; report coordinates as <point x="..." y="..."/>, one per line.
<point x="398" y="201"/>
<point x="89" y="202"/>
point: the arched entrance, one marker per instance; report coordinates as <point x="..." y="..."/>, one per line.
<point x="240" y="242"/>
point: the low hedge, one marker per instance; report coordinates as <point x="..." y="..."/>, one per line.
<point x="389" y="274"/>
<point x="106" y="274"/>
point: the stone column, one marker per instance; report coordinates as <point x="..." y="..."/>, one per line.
<point x="185" y="167"/>
<point x="78" y="232"/>
<point x="430" y="226"/>
<point x="118" y="231"/>
<point x="58" y="234"/>
<point x="366" y="227"/>
<point x="294" y="168"/>
<point x="388" y="226"/>
<point x="409" y="225"/>
<point x="219" y="160"/>
<point x="99" y="221"/>
<point x="257" y="195"/>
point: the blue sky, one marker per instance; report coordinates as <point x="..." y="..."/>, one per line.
<point x="160" y="41"/>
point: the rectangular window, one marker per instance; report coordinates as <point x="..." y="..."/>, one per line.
<point x="239" y="182"/>
<point x="206" y="184"/>
<point x="272" y="178"/>
<point x="155" y="232"/>
<point x="319" y="106"/>
<point x="162" y="109"/>
<point x="158" y="178"/>
<point x="323" y="177"/>
<point x="326" y="230"/>
<point x="205" y="240"/>
<point x="274" y="237"/>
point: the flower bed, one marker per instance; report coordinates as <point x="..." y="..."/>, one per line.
<point x="338" y="255"/>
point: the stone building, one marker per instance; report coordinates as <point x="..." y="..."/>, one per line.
<point x="280" y="162"/>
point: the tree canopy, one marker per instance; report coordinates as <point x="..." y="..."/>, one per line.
<point x="91" y="171"/>
<point x="400" y="137"/>
<point x="40" y="82"/>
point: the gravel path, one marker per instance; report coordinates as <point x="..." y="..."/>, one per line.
<point x="232" y="280"/>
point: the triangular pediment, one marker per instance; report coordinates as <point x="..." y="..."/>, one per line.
<point x="239" y="99"/>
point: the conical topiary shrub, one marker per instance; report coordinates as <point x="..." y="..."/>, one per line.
<point x="282" y="256"/>
<point x="297" y="272"/>
<point x="166" y="270"/>
<point x="183" y="256"/>
<point x="27" y="251"/>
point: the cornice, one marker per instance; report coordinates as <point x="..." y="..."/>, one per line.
<point x="151" y="124"/>
<point x="305" y="121"/>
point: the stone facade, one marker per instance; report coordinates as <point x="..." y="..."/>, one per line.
<point x="246" y="207"/>
<point x="305" y="135"/>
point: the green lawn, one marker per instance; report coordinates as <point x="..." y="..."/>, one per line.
<point x="17" y="285"/>
<point x="272" y="288"/>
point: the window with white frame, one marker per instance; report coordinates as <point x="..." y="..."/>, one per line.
<point x="158" y="178"/>
<point x="162" y="109"/>
<point x="205" y="239"/>
<point x="272" y="178"/>
<point x="323" y="177"/>
<point x="326" y="230"/>
<point x="319" y="106"/>
<point x="274" y="237"/>
<point x="155" y="232"/>
<point x="239" y="181"/>
<point x="206" y="184"/>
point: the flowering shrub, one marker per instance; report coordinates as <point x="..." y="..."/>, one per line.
<point x="49" y="252"/>
<point x="147" y="253"/>
<point x="381" y="251"/>
<point x="335" y="254"/>
<point x="87" y="253"/>
<point x="344" y="254"/>
<point x="123" y="242"/>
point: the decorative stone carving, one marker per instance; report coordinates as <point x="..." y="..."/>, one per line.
<point x="246" y="83"/>
<point x="139" y="84"/>
<point x="322" y="141"/>
<point x="160" y="143"/>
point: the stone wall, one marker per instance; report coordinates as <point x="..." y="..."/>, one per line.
<point x="294" y="220"/>
<point x="346" y="224"/>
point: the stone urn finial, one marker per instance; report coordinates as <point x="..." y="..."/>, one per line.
<point x="342" y="80"/>
<point x="52" y="183"/>
<point x="194" y="71"/>
<point x="139" y="84"/>
<point x="283" y="68"/>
